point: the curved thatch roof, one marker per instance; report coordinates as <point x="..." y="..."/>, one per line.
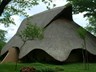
<point x="60" y="35"/>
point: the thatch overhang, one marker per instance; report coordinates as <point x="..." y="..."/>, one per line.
<point x="60" y="35"/>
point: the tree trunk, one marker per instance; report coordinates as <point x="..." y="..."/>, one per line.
<point x="17" y="61"/>
<point x="86" y="56"/>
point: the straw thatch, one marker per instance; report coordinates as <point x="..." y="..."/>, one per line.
<point x="60" y="35"/>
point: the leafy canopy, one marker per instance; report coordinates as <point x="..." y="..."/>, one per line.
<point x="91" y="27"/>
<point x="16" y="7"/>
<point x="2" y="35"/>
<point x="31" y="32"/>
<point x="89" y="8"/>
<point x="19" y="7"/>
<point x="2" y="38"/>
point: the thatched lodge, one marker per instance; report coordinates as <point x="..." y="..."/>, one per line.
<point x="61" y="42"/>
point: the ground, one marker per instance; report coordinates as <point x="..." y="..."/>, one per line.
<point x="41" y="67"/>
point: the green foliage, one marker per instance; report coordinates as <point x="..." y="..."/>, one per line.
<point x="2" y="35"/>
<point x="31" y="32"/>
<point x="89" y="7"/>
<point x="2" y="38"/>
<point x="2" y="43"/>
<point x="49" y="3"/>
<point x="19" y="7"/>
<point x="91" y="27"/>
<point x="82" y="33"/>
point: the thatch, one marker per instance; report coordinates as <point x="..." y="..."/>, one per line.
<point x="60" y="35"/>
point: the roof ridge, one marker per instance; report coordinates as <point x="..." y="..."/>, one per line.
<point x="66" y="12"/>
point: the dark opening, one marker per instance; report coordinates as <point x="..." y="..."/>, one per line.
<point x="38" y="55"/>
<point x="3" y="56"/>
<point x="78" y="55"/>
<point x="17" y="49"/>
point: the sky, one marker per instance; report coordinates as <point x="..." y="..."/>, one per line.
<point x="79" y="19"/>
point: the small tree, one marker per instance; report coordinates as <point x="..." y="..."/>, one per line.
<point x="31" y="32"/>
<point x="82" y="33"/>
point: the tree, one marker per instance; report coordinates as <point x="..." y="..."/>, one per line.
<point x="2" y="38"/>
<point x="82" y="33"/>
<point x="91" y="27"/>
<point x="89" y="8"/>
<point x="16" y="7"/>
<point x="31" y="32"/>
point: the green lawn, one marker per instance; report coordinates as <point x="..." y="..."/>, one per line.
<point x="76" y="67"/>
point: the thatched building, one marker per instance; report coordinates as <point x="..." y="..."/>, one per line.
<point x="61" y="41"/>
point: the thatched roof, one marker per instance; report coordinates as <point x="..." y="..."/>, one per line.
<point x="60" y="35"/>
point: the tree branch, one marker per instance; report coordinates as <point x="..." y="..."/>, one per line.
<point x="3" y="5"/>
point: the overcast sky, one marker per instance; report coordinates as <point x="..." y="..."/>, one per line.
<point x="37" y="9"/>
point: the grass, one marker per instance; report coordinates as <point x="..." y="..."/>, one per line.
<point x="75" y="67"/>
